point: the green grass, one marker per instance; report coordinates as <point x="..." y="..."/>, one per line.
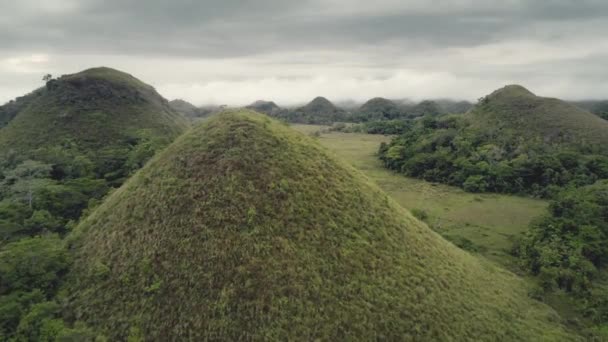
<point x="244" y="229"/>
<point x="489" y="221"/>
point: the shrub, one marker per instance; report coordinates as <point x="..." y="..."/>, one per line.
<point x="475" y="183"/>
<point x="420" y="214"/>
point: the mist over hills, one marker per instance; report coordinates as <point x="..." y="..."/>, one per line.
<point x="322" y="111"/>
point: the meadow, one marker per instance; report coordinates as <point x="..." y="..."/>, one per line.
<point x="484" y="224"/>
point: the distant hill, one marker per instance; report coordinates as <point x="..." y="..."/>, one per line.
<point x="246" y="230"/>
<point x="101" y="113"/>
<point x="426" y="107"/>
<point x="512" y="141"/>
<point x="266" y="107"/>
<point x="190" y="111"/>
<point x="518" y="111"/>
<point x="319" y="111"/>
<point x="379" y="109"/>
<point x="455" y="107"/>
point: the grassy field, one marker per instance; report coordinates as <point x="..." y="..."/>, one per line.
<point x="481" y="223"/>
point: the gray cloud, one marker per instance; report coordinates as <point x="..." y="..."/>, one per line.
<point x="187" y="46"/>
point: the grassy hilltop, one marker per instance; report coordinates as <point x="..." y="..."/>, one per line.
<point x="245" y="229"/>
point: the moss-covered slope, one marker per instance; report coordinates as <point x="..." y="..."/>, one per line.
<point x="243" y="229"/>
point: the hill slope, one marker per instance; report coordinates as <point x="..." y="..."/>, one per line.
<point x="246" y="230"/>
<point x="96" y="111"/>
<point x="9" y="110"/>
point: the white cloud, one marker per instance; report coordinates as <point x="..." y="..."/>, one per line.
<point x="34" y="63"/>
<point x="290" y="51"/>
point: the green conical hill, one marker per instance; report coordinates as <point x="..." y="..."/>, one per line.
<point x="515" y="109"/>
<point x="95" y="111"/>
<point x="243" y="229"/>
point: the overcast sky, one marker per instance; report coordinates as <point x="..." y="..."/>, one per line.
<point x="236" y="52"/>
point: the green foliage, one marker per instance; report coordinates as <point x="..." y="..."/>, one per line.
<point x="570" y="244"/>
<point x="567" y="249"/>
<point x="32" y="263"/>
<point x="15" y="305"/>
<point x="278" y="240"/>
<point x="42" y="221"/>
<point x="475" y="183"/>
<point x="30" y="273"/>
<point x="40" y="323"/>
<point x="43" y="323"/>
